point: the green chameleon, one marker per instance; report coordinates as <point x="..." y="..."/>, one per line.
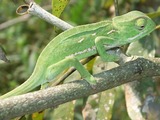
<point x="80" y="42"/>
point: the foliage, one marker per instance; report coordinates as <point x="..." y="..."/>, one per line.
<point x="24" y="41"/>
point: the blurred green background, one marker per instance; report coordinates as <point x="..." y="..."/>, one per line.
<point x="24" y="41"/>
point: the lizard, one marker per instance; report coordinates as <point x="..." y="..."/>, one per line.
<point x="80" y="42"/>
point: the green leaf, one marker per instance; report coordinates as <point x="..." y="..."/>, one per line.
<point x="154" y="14"/>
<point x="64" y="111"/>
<point x="58" y="6"/>
<point x="38" y="115"/>
<point x="144" y="47"/>
<point x="106" y="103"/>
<point x="79" y="105"/>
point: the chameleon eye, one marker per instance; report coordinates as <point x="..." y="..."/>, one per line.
<point x="140" y="23"/>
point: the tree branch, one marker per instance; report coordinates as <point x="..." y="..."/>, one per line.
<point x="54" y="96"/>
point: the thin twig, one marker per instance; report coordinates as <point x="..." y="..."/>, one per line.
<point x="116" y="7"/>
<point x="14" y="21"/>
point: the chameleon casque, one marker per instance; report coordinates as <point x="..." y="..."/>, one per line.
<point x="80" y="42"/>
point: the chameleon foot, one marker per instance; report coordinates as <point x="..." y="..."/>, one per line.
<point x="91" y="80"/>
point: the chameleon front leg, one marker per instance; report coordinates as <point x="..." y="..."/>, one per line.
<point x="55" y="69"/>
<point x="99" y="43"/>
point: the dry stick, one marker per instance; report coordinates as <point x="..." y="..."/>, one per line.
<point x="51" y="97"/>
<point x="13" y="21"/>
<point x="116" y="7"/>
<point x="36" y="10"/>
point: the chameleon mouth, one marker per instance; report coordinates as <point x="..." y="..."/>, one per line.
<point x="149" y="32"/>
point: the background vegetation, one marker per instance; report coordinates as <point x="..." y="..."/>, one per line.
<point x="24" y="41"/>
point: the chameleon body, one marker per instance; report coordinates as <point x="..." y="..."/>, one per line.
<point x="80" y="42"/>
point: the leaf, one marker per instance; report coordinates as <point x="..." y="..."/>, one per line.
<point x="78" y="109"/>
<point x="154" y="14"/>
<point x="58" y="6"/>
<point x="134" y="90"/>
<point x="106" y="103"/>
<point x="38" y="115"/>
<point x="64" y="111"/>
<point x="2" y="55"/>
<point x="144" y="47"/>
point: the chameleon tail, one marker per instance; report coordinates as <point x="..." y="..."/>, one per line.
<point x="28" y="85"/>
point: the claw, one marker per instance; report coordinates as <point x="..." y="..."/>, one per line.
<point x="91" y="80"/>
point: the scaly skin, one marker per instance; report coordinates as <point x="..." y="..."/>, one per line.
<point x="80" y="42"/>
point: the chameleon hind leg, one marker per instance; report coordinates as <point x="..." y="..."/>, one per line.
<point x="54" y="70"/>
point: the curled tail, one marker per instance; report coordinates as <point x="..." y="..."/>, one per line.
<point x="32" y="82"/>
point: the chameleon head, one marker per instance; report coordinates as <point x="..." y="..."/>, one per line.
<point x="133" y="25"/>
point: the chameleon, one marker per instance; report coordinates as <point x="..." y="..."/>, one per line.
<point x="80" y="42"/>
